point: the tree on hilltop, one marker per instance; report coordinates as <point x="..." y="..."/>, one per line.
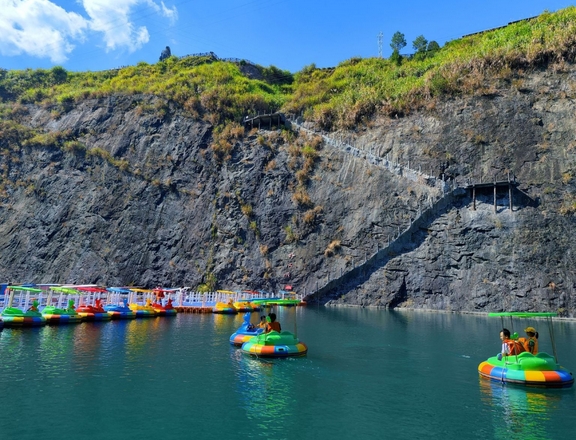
<point x="433" y="46"/>
<point x="398" y="42"/>
<point x="420" y="44"/>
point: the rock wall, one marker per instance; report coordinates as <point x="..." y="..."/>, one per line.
<point x="141" y="199"/>
<point x="481" y="260"/>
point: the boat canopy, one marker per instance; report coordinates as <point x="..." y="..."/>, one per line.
<point x="27" y="289"/>
<point x="66" y="290"/>
<point x="118" y="290"/>
<point x="92" y="289"/>
<point x="524" y="314"/>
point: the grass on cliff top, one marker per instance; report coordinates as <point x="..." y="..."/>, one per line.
<point x="333" y="98"/>
<point x="358" y="88"/>
<point x="216" y="90"/>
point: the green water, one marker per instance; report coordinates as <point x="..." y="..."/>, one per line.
<point x="368" y="374"/>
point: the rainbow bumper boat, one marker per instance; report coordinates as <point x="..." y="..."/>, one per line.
<point x="527" y="369"/>
<point x="540" y="370"/>
<point x="246" y="332"/>
<point x="55" y="315"/>
<point x="143" y="311"/>
<point x="14" y="317"/>
<point x="93" y="313"/>
<point x="117" y="311"/>
<point x="275" y="345"/>
<point x="224" y="308"/>
<point x="243" y="306"/>
<point x="60" y="315"/>
<point x="164" y="310"/>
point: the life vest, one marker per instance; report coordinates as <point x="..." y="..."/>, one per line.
<point x="526" y="344"/>
<point x="514" y="347"/>
<point x="535" y="345"/>
<point x="273" y="326"/>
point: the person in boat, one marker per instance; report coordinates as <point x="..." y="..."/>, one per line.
<point x="272" y="324"/>
<point x="263" y="322"/>
<point x="33" y="307"/>
<point x="510" y="347"/>
<point x="531" y="342"/>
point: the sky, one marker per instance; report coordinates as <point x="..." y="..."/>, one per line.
<point x="93" y="35"/>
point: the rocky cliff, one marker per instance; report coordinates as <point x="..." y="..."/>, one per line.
<point x="131" y="190"/>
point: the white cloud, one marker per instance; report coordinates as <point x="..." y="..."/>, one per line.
<point x="172" y="14"/>
<point x="43" y="29"/>
<point x="112" y="18"/>
<point x="39" y="28"/>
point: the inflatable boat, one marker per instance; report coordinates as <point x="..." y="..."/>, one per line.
<point x="275" y="345"/>
<point x="540" y="369"/>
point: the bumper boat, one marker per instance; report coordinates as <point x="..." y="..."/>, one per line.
<point x="527" y="369"/>
<point x="120" y="311"/>
<point x="275" y="345"/>
<point x="14" y="317"/>
<point x="94" y="313"/>
<point x="166" y="309"/>
<point x="55" y="314"/>
<point x="117" y="303"/>
<point x="143" y="311"/>
<point x="539" y="370"/>
<point x="243" y="306"/>
<point x="224" y="308"/>
<point x="246" y="332"/>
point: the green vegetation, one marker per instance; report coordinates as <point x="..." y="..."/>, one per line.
<point x="341" y="97"/>
<point x="214" y="90"/>
<point x="357" y="88"/>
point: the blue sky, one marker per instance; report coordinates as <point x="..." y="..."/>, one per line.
<point x="91" y="35"/>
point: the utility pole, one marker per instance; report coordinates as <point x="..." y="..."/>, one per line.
<point x="380" y="39"/>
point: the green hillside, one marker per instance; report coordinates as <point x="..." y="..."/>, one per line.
<point x="350" y="93"/>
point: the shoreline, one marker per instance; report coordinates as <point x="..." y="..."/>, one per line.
<point x="461" y="312"/>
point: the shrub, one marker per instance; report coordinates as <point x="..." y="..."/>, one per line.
<point x="247" y="210"/>
<point x="291" y="235"/>
<point x="312" y="215"/>
<point x="301" y="198"/>
<point x="332" y="248"/>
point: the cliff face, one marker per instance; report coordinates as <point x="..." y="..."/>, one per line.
<point x="468" y="259"/>
<point x="136" y="195"/>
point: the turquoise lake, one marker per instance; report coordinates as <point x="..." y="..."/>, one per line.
<point x="368" y="374"/>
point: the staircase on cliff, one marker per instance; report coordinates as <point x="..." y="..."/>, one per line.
<point x="395" y="246"/>
<point x="403" y="240"/>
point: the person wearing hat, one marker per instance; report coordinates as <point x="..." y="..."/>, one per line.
<point x="531" y="343"/>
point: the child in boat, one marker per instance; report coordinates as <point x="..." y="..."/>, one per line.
<point x="530" y="343"/>
<point x="272" y="324"/>
<point x="510" y="347"/>
<point x="263" y="322"/>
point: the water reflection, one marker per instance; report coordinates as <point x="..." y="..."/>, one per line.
<point x="265" y="389"/>
<point x="520" y="410"/>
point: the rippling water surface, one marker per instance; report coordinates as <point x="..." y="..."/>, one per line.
<point x="368" y="374"/>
